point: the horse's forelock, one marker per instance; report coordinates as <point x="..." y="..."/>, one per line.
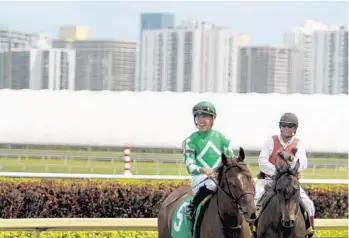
<point x="243" y="167"/>
<point x="285" y="179"/>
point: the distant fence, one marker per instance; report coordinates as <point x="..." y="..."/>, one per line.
<point x="138" y="156"/>
<point x="146" y="177"/>
<point x="113" y="149"/>
<point x="111" y="224"/>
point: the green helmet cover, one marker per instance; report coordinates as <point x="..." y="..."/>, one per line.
<point x="204" y="108"/>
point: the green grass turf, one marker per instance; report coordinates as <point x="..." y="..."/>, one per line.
<point x="145" y="168"/>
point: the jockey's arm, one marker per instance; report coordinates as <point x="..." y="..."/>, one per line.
<point x="189" y="158"/>
<point x="264" y="165"/>
<point x="301" y="155"/>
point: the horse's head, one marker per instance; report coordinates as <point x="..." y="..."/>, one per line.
<point x="236" y="181"/>
<point x="288" y="191"/>
<point x="282" y="160"/>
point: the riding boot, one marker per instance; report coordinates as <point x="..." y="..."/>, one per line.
<point x="310" y="227"/>
<point x="309" y="221"/>
<point x="199" y="196"/>
<point x="310" y="234"/>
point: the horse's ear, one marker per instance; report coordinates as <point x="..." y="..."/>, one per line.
<point x="241" y="154"/>
<point x="294" y="151"/>
<point x="225" y="160"/>
<point x="294" y="171"/>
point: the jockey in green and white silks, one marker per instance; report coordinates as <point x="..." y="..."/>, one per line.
<point x="202" y="153"/>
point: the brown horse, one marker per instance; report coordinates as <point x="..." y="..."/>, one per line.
<point x="227" y="214"/>
<point x="281" y="215"/>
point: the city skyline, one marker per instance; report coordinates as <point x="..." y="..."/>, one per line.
<point x="241" y="17"/>
<point x="185" y="53"/>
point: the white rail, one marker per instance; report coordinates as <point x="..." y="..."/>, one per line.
<point x="148" y="177"/>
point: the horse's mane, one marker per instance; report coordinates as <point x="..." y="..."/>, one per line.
<point x="220" y="172"/>
<point x="284" y="155"/>
<point x="293" y="172"/>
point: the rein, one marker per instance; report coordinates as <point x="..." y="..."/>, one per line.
<point x="236" y="201"/>
<point x="233" y="198"/>
<point x="286" y="172"/>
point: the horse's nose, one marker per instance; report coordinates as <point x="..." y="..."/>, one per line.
<point x="250" y="218"/>
<point x="287" y="223"/>
<point x="253" y="216"/>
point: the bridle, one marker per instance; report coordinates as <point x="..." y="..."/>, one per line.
<point x="231" y="195"/>
<point x="284" y="159"/>
<point x="235" y="200"/>
<point x="286" y="172"/>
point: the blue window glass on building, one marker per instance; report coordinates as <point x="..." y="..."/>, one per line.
<point x="152" y="21"/>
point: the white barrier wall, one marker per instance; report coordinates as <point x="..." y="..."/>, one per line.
<point x="164" y="119"/>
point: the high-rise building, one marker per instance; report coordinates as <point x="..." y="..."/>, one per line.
<point x="324" y="56"/>
<point x="194" y="56"/>
<point x="103" y="65"/>
<point x="151" y="21"/>
<point x="37" y="69"/>
<point x="268" y="69"/>
<point x="10" y="39"/>
<point x="73" y="33"/>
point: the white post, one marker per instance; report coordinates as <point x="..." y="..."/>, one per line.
<point x="37" y="233"/>
<point x="127" y="161"/>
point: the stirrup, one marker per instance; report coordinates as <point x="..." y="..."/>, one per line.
<point x="311" y="234"/>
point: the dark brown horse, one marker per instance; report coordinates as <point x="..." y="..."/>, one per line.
<point x="229" y="211"/>
<point x="281" y="216"/>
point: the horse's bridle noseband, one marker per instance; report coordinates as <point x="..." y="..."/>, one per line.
<point x="235" y="200"/>
<point x="283" y="173"/>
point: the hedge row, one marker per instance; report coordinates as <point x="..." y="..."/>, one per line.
<point x="35" y="198"/>
<point x="128" y="234"/>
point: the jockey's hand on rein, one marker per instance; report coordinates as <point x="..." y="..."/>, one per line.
<point x="209" y="172"/>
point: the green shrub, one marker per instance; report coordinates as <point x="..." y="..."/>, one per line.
<point x="129" y="198"/>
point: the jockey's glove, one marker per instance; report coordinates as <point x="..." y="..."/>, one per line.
<point x="209" y="172"/>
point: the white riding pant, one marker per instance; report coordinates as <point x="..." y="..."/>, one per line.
<point x="196" y="185"/>
<point x="308" y="203"/>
